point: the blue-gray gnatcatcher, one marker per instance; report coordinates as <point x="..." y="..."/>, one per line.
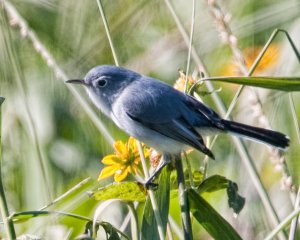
<point x="160" y="116"/>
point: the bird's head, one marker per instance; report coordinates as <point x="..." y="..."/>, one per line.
<point x="105" y="83"/>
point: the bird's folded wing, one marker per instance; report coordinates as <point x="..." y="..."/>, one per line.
<point x="177" y="129"/>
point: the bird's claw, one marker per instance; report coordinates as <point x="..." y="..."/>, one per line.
<point x="149" y="185"/>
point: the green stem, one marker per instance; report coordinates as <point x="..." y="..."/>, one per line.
<point x="134" y="222"/>
<point x="183" y="200"/>
<point x="255" y="64"/>
<point x="190" y="47"/>
<point x="175" y="228"/>
<point x="157" y="216"/>
<point x="33" y="214"/>
<point x="107" y="31"/>
<point x="67" y="193"/>
<point x="189" y="168"/>
<point x="293" y="228"/>
<point x="294" y="223"/>
<point x="8" y="224"/>
<point x="283" y="224"/>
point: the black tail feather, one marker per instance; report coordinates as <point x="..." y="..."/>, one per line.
<point x="273" y="138"/>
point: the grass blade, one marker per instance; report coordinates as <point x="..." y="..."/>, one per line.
<point x="162" y="196"/>
<point x="278" y="83"/>
<point x="8" y="224"/>
<point x="210" y="219"/>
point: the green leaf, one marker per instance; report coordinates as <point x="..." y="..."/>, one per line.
<point x="212" y="184"/>
<point x="218" y="182"/>
<point x="162" y="196"/>
<point x="197" y="178"/>
<point x="278" y="83"/>
<point x="23" y="216"/>
<point x="127" y="191"/>
<point x="235" y="201"/>
<point x="88" y="231"/>
<point x="111" y="232"/>
<point x="210" y="219"/>
<point x="196" y="175"/>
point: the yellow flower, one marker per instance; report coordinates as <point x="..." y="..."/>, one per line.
<point x="268" y="61"/>
<point x="125" y="160"/>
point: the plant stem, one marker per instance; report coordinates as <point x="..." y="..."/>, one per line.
<point x="67" y="193"/>
<point x="152" y="196"/>
<point x="183" y="200"/>
<point x="294" y="223"/>
<point x="190" y="48"/>
<point x="283" y="224"/>
<point x="293" y="228"/>
<point x="107" y="32"/>
<point x="32" y="214"/>
<point x="8" y="224"/>
<point x="175" y="228"/>
<point x="134" y="222"/>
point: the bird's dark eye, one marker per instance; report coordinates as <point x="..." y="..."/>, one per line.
<point x="100" y="83"/>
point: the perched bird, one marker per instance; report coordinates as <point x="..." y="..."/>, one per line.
<point x="159" y="115"/>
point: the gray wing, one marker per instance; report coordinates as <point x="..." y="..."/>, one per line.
<point x="168" y="112"/>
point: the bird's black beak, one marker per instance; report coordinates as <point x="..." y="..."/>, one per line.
<point x="77" y="81"/>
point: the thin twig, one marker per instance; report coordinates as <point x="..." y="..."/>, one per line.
<point x="283" y="224"/>
<point x="152" y="196"/>
<point x="190" y="172"/>
<point x="190" y="46"/>
<point x="8" y="224"/>
<point x="67" y="193"/>
<point x="183" y="200"/>
<point x="134" y="221"/>
<point x="15" y="216"/>
<point x="176" y="229"/>
<point x="294" y="223"/>
<point x="100" y="6"/>
<point x="250" y="72"/>
<point x="169" y="232"/>
<point x="293" y="228"/>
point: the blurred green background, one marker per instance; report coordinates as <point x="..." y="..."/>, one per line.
<point x="50" y="143"/>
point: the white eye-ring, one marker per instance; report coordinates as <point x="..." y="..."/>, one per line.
<point x="100" y="82"/>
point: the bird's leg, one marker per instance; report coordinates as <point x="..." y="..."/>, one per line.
<point x="164" y="161"/>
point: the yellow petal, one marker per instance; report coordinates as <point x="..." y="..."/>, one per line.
<point x="133" y="169"/>
<point x="146" y="152"/>
<point x="107" y="172"/>
<point x="120" y="147"/>
<point x="131" y="142"/>
<point x="121" y="176"/>
<point x="112" y="159"/>
<point x="137" y="161"/>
